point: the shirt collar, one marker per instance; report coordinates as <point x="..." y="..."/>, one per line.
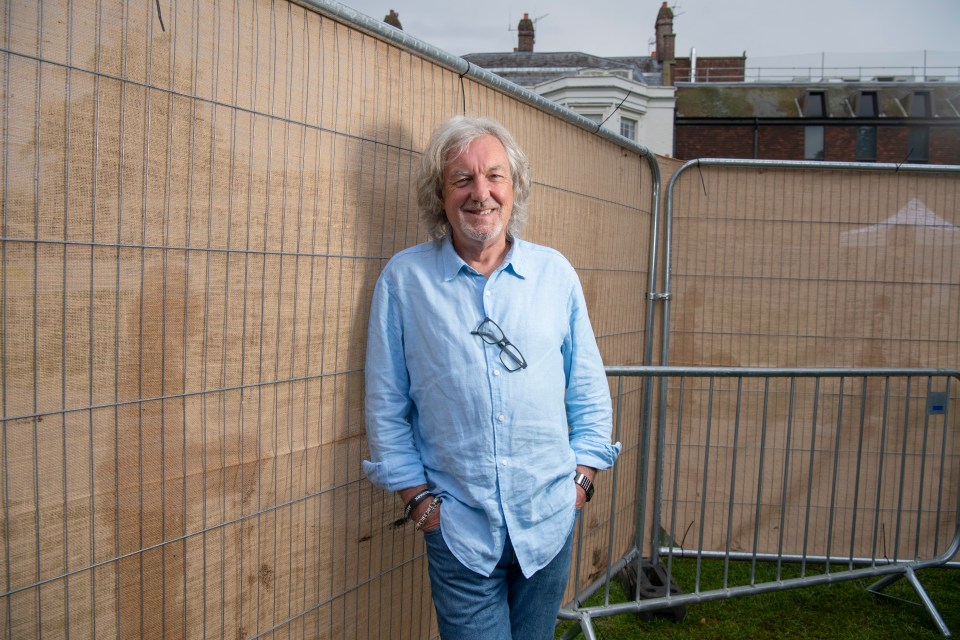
<point x="453" y="263"/>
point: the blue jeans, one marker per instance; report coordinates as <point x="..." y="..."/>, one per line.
<point x="504" y="606"/>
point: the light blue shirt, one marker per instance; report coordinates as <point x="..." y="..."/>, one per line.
<point x="499" y="448"/>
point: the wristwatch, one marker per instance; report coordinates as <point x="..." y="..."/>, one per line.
<point x="585" y="483"/>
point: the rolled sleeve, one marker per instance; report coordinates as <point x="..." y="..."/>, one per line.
<point x="599" y="455"/>
<point x="396" y="463"/>
<point x="589" y="409"/>
<point x="394" y="477"/>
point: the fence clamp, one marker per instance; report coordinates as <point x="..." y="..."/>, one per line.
<point x="653" y="295"/>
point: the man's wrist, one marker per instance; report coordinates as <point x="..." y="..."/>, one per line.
<point x="413" y="494"/>
<point x="419" y="498"/>
<point x="585" y="482"/>
<point x="409" y="492"/>
<point x="590" y="472"/>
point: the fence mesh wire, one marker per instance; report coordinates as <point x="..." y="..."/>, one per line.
<point x="819" y="267"/>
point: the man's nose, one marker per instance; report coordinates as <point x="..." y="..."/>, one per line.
<point x="481" y="189"/>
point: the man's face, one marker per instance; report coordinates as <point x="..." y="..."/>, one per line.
<point x="478" y="194"/>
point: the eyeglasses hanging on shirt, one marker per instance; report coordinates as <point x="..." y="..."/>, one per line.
<point x="491" y="333"/>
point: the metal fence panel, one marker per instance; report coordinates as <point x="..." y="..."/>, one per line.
<point x="801" y="264"/>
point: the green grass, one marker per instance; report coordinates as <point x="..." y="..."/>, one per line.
<point x="839" y="610"/>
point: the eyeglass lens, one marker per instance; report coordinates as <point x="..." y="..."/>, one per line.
<point x="491" y="333"/>
<point x="514" y="356"/>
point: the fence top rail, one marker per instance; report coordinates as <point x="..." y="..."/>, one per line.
<point x="775" y="372"/>
<point x="813" y="165"/>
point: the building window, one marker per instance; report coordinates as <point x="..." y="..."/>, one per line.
<point x="813" y="143"/>
<point x="866" y="148"/>
<point x="867" y="104"/>
<point x="920" y="105"/>
<point x="918" y="137"/>
<point x="628" y="128"/>
<point x="813" y="106"/>
<point x="866" y="144"/>
<point x="918" y="145"/>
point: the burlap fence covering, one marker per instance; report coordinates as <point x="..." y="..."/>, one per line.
<point x="196" y="205"/>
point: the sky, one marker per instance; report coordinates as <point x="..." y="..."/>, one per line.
<point x="762" y="29"/>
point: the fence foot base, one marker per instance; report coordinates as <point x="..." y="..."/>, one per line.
<point x="583" y="627"/>
<point x="653" y="583"/>
<point x="911" y="577"/>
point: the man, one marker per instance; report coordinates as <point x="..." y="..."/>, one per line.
<point x="487" y="405"/>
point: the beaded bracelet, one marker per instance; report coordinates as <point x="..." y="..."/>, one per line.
<point x="414" y="501"/>
<point x="426" y="514"/>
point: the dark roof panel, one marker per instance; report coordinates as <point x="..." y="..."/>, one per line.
<point x="749" y="100"/>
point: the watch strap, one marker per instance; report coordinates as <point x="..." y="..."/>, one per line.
<point x="585" y="483"/>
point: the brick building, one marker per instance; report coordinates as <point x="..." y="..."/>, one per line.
<point x="885" y="119"/>
<point x="709" y="69"/>
<point x="881" y="121"/>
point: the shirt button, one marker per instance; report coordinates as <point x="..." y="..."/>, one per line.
<point x="496" y="372"/>
<point x="501" y="418"/>
<point x="487" y="293"/>
<point x="505" y="462"/>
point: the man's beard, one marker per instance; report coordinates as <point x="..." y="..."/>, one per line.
<point x="481" y="236"/>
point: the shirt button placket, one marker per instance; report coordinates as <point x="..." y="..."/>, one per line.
<point x="496" y="380"/>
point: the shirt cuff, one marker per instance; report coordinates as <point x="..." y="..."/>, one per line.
<point x="394" y="477"/>
<point x="599" y="455"/>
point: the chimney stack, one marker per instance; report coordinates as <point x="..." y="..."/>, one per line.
<point x="393" y="19"/>
<point x="666" y="38"/>
<point x="525" y="29"/>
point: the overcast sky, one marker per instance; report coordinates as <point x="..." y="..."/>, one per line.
<point x="714" y="27"/>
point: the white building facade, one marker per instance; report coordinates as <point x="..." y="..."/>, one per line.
<point x="637" y="111"/>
